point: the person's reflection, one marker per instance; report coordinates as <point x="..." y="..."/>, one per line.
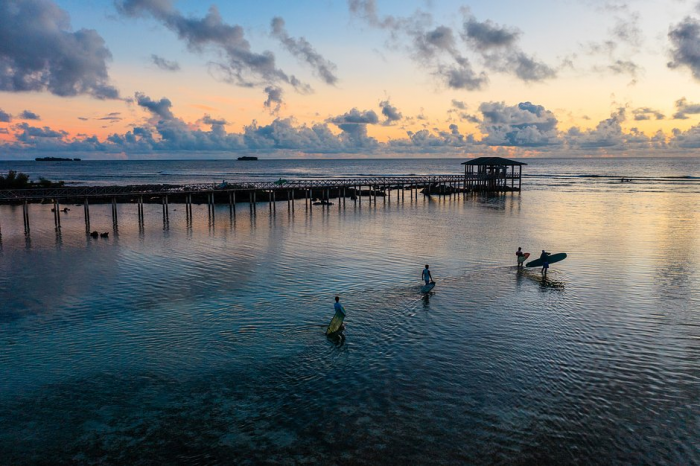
<point x="338" y="339"/>
<point x="426" y="301"/>
<point x="547" y="283"/>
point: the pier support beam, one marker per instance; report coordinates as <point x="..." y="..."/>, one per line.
<point x="25" y="214"/>
<point x="140" y="211"/>
<point x="188" y="208"/>
<point x="166" y="213"/>
<point x="86" y="210"/>
<point x="114" y="213"/>
<point x="232" y="203"/>
<point x="56" y="215"/>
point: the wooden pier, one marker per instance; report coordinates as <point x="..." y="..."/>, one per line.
<point x="310" y="191"/>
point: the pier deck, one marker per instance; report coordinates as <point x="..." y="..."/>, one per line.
<point x="459" y="182"/>
<point x="310" y="191"/>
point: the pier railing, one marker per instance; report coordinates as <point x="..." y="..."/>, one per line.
<point x="18" y="195"/>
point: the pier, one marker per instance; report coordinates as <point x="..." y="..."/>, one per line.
<point x="493" y="176"/>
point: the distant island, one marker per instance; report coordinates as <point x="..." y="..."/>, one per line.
<point x="247" y="158"/>
<point x="55" y="159"/>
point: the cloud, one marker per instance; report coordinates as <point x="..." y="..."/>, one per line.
<point x="274" y="99"/>
<point x="28" y="115"/>
<point x="40" y="52"/>
<point x="458" y="104"/>
<point x="488" y="35"/>
<point x="353" y="125"/>
<point x="623" y="41"/>
<point x="428" y="44"/>
<point x="208" y="120"/>
<point x="160" y="108"/>
<point x="685" y="46"/>
<point x="462" y="76"/>
<point x="518" y="130"/>
<point x="646" y="113"/>
<point x="607" y="134"/>
<point x="627" y="30"/>
<point x="112" y="116"/>
<point x="5" y="117"/>
<point x="303" y="50"/>
<point x="164" y="64"/>
<point x="500" y="52"/>
<point x="683" y="109"/>
<point x="436" y="48"/>
<point x="29" y="133"/>
<point x="367" y="10"/>
<point x="241" y="65"/>
<point x="522" y="125"/>
<point x="391" y="113"/>
<point x="689" y="139"/>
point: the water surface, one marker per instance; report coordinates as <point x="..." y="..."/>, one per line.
<point x="203" y="343"/>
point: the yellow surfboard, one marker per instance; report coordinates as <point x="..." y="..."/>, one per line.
<point x="336" y="322"/>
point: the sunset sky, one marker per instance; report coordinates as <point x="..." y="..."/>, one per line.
<point x="349" y="78"/>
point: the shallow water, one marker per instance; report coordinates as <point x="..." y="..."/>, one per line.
<point x="203" y="343"/>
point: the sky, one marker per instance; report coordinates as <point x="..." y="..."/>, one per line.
<point x="163" y="79"/>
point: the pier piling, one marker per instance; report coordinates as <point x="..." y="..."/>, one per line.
<point x="56" y="215"/>
<point x="86" y="210"/>
<point x="25" y="214"/>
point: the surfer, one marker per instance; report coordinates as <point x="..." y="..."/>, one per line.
<point x="427" y="276"/>
<point x="519" y="253"/>
<point x="338" y="307"/>
<point x="544" y="257"/>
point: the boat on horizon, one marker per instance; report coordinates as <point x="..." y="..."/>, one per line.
<point x="246" y="157"/>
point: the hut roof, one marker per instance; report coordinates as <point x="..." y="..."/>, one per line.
<point x="492" y="161"/>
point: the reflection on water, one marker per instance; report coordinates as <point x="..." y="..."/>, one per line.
<point x="203" y="342"/>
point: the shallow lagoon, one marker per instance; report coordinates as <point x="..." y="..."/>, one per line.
<point x="204" y="344"/>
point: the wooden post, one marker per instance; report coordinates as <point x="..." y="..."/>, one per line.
<point x="293" y="199"/>
<point x="114" y="211"/>
<point x="140" y="209"/>
<point x="520" y="176"/>
<point x="25" y="214"/>
<point x="57" y="213"/>
<point x="166" y="213"/>
<point x="86" y="210"/>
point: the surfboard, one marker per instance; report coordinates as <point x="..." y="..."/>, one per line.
<point x="336" y="323"/>
<point x="427" y="288"/>
<point x="552" y="259"/>
<point x="523" y="258"/>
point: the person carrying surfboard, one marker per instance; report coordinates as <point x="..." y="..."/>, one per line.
<point x="427" y="276"/>
<point x="519" y="253"/>
<point x="336" y="324"/>
<point x="544" y="257"/>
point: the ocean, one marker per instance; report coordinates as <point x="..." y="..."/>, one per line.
<point x="203" y="342"/>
